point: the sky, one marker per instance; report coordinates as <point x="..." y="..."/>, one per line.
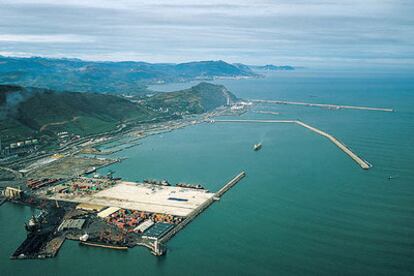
<point x="296" y="32"/>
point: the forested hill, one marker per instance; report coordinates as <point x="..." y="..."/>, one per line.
<point x="109" y="77"/>
<point x="34" y="112"/>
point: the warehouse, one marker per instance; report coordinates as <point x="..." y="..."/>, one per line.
<point x="158" y="230"/>
<point x="108" y="211"/>
<point x="144" y="226"/>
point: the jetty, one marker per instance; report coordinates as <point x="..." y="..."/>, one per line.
<point x="361" y="162"/>
<point x="196" y="212"/>
<point x="230" y="184"/>
<point x="329" y="106"/>
<point x="267" y="112"/>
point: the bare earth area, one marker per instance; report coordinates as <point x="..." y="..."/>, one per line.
<point x="67" y="167"/>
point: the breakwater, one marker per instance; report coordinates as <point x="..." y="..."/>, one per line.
<point x="329" y="106"/>
<point x="361" y="162"/>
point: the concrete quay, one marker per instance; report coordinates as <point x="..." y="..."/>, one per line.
<point x="199" y="210"/>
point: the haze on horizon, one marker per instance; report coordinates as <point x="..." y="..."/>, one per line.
<point x="296" y="32"/>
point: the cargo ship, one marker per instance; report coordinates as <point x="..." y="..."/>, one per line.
<point x="90" y="170"/>
<point x="256" y="147"/>
<point x="157" y="182"/>
<point x="185" y="185"/>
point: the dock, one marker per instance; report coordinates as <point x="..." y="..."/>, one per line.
<point x="134" y="206"/>
<point x="329" y="106"/>
<point x="230" y="184"/>
<point x="42" y="242"/>
<point x="361" y="162"/>
<point x="52" y="247"/>
<point x="199" y="210"/>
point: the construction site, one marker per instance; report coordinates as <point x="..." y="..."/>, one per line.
<point x="107" y="212"/>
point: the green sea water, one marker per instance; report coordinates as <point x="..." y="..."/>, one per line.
<point x="305" y="208"/>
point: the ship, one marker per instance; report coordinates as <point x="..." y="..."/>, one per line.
<point x="90" y="170"/>
<point x="256" y="147"/>
<point x="157" y="182"/>
<point x="84" y="237"/>
<point x="186" y="185"/>
<point x="33" y="224"/>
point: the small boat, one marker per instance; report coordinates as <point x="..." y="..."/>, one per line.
<point x="90" y="170"/>
<point x="84" y="237"/>
<point x="157" y="182"/>
<point x="256" y="147"/>
<point x="185" y="185"/>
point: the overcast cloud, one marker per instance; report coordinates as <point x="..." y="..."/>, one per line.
<point x="297" y="32"/>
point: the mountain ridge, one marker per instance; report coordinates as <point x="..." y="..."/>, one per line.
<point x="109" y="77"/>
<point x="36" y="112"/>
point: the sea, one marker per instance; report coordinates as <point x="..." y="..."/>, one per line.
<point x="305" y="208"/>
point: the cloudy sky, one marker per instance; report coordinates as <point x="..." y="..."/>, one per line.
<point x="297" y="32"/>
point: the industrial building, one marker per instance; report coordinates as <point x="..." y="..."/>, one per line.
<point x="68" y="224"/>
<point x="157" y="230"/>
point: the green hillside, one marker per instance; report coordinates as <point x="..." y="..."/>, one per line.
<point x="198" y="99"/>
<point x="109" y="77"/>
<point x="51" y="107"/>
<point x="40" y="113"/>
<point x="37" y="112"/>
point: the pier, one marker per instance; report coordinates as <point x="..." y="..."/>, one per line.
<point x="361" y="162"/>
<point x="137" y="205"/>
<point x="198" y="210"/>
<point x="230" y="184"/>
<point x="329" y="106"/>
<point x="42" y="241"/>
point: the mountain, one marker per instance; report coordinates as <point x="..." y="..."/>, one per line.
<point x="42" y="113"/>
<point x="198" y="99"/>
<point x="271" y="67"/>
<point x="209" y="69"/>
<point x="109" y="77"/>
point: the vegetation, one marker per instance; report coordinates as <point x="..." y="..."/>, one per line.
<point x="271" y="67"/>
<point x="108" y="77"/>
<point x="41" y="113"/>
<point x="198" y="99"/>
